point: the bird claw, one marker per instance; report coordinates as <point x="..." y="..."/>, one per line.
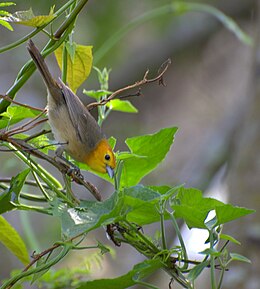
<point x="75" y="171"/>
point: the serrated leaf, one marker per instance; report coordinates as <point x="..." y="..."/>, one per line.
<point x="9" y="199"/>
<point x="97" y="94"/>
<point x="227" y="213"/>
<point x="11" y="239"/>
<point x="28" y="18"/>
<point x="138" y="272"/>
<point x="79" y="69"/>
<point x="238" y="257"/>
<point x="229" y="238"/>
<point x="153" y="149"/>
<point x="121" y="105"/>
<point x="14" y="114"/>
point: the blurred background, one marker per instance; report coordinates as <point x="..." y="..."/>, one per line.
<point x="211" y="94"/>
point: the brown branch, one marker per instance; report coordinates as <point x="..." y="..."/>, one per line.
<point x="63" y="168"/>
<point x="6" y="97"/>
<point x="139" y="83"/>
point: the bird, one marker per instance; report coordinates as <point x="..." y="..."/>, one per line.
<point x="72" y="124"/>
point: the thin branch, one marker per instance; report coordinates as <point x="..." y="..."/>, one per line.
<point x="8" y="98"/>
<point x="63" y="168"/>
<point x="142" y="82"/>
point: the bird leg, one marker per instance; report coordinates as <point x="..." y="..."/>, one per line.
<point x="73" y="170"/>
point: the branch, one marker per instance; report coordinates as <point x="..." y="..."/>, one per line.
<point x="139" y="83"/>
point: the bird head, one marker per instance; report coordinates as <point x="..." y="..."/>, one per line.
<point x="102" y="158"/>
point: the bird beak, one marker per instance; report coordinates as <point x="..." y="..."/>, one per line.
<point x="110" y="171"/>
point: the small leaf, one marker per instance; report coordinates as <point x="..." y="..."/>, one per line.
<point x="97" y="94"/>
<point x="79" y="69"/>
<point x="196" y="270"/>
<point x="6" y="25"/>
<point x="9" y="199"/>
<point x="5" y="4"/>
<point x="211" y="252"/>
<point x="112" y="142"/>
<point x="229" y="238"/>
<point x="11" y="239"/>
<point x="28" y="18"/>
<point x="238" y="257"/>
<point x="121" y="105"/>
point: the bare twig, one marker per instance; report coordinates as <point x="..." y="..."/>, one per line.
<point x="63" y="168"/>
<point x="6" y="97"/>
<point x="142" y="82"/>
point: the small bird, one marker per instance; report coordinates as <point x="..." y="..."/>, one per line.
<point x="72" y="124"/>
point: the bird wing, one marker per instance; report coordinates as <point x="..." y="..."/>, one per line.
<point x="87" y="129"/>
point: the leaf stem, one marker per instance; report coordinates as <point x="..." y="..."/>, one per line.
<point x="178" y="233"/>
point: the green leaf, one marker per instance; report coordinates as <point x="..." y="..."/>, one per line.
<point x="227" y="213"/>
<point x="11" y="239"/>
<point x="9" y="199"/>
<point x="97" y="94"/>
<point x="6" y="25"/>
<point x="238" y="257"/>
<point x="28" y="18"/>
<point x="211" y="252"/>
<point x="112" y="142"/>
<point x="5" y="4"/>
<point x="196" y="270"/>
<point x="14" y="114"/>
<point x="153" y="149"/>
<point x="78" y="68"/>
<point x="138" y="272"/>
<point x="193" y="208"/>
<point x="121" y="105"/>
<point x="229" y="238"/>
<point x="90" y="215"/>
<point x="140" y="203"/>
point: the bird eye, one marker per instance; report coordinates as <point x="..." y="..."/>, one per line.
<point x="107" y="157"/>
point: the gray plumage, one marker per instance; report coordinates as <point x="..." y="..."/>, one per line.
<point x="70" y="120"/>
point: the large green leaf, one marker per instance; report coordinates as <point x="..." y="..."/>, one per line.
<point x="139" y="272"/>
<point x="152" y="148"/>
<point x="9" y="199"/>
<point x="193" y="208"/>
<point x="11" y="239"/>
<point x="227" y="213"/>
<point x="141" y="204"/>
<point x="90" y="215"/>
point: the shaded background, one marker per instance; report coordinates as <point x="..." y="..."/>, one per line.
<point x="212" y="95"/>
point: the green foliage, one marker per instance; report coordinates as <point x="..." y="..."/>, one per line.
<point x="11" y="239"/>
<point x="131" y="205"/>
<point x="139" y="272"/>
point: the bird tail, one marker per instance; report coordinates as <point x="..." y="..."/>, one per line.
<point x="41" y="65"/>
